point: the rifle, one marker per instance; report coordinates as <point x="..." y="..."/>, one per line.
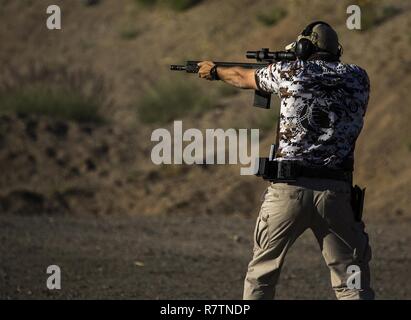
<point x="264" y="57"/>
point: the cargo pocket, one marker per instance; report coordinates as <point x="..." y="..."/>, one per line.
<point x="278" y="210"/>
<point x="261" y="232"/>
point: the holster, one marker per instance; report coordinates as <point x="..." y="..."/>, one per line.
<point x="357" y="201"/>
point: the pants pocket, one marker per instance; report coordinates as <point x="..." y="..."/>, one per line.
<point x="261" y="232"/>
<point x="278" y="213"/>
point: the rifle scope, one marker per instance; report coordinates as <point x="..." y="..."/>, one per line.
<point x="266" y="55"/>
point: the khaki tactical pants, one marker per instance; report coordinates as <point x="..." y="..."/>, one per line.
<point x="287" y="211"/>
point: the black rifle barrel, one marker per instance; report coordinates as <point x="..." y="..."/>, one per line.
<point x="177" y="67"/>
<point x="192" y="67"/>
<point x="241" y="64"/>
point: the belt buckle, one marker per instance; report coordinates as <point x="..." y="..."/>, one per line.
<point x="287" y="171"/>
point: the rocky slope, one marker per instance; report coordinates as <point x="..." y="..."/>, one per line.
<point x="54" y="166"/>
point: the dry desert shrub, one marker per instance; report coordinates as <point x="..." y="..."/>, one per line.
<point x="53" y="90"/>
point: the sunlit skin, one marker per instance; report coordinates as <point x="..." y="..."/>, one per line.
<point x="235" y="76"/>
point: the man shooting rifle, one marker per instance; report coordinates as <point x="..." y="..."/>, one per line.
<point x="323" y="102"/>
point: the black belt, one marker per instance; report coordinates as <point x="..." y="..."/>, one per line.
<point x="291" y="170"/>
<point x="325" y="173"/>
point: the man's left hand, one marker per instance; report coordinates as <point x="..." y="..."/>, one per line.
<point x="205" y="68"/>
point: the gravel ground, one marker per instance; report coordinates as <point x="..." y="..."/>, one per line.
<point x="174" y="257"/>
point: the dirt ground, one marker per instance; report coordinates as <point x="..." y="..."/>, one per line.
<point x="174" y="257"/>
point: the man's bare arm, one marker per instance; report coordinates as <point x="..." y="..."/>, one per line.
<point x="235" y="76"/>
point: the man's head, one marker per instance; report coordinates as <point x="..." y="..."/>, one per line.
<point x="317" y="37"/>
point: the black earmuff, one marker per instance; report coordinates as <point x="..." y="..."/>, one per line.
<point x="304" y="49"/>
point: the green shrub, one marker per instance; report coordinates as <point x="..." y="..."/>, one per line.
<point x="177" y="5"/>
<point x="51" y="101"/>
<point x="272" y="17"/>
<point x="373" y="15"/>
<point x="146" y="2"/>
<point x="89" y="3"/>
<point x="169" y="100"/>
<point x="129" y="33"/>
<point x="53" y="90"/>
<point x="181" y="5"/>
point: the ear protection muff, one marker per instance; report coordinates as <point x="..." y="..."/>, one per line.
<point x="305" y="47"/>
